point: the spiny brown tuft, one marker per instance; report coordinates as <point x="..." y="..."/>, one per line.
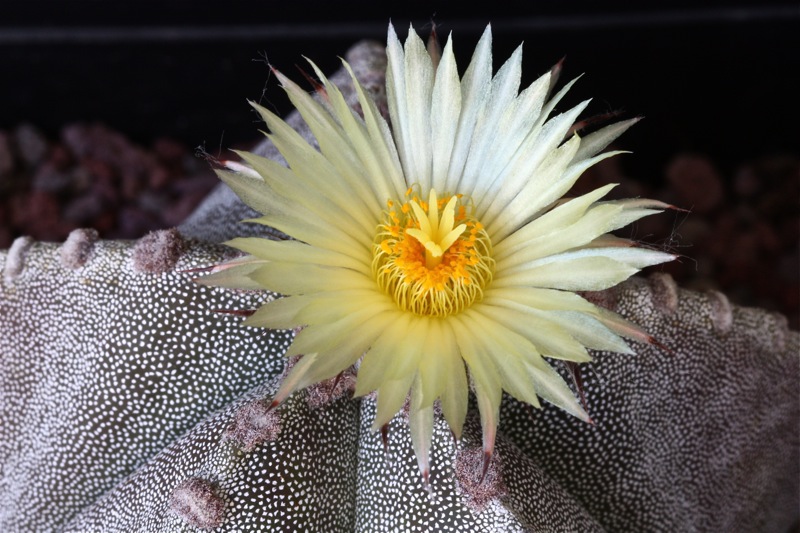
<point x="197" y="502"/>
<point x="479" y="487"/>
<point x="75" y="251"/>
<point x="721" y="312"/>
<point x="255" y="423"/>
<point x="15" y="260"/>
<point x="665" y="292"/>
<point x="328" y="391"/>
<point x="158" y="251"/>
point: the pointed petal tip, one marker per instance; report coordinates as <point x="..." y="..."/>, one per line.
<point x="658" y="344"/>
<point x="318" y="87"/>
<point x="196" y="269"/>
<point x="487" y="459"/>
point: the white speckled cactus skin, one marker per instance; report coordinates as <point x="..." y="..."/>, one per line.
<point x="120" y="385"/>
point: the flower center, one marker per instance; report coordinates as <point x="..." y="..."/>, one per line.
<point x="432" y="257"/>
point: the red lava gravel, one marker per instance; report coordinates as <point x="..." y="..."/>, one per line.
<point x="95" y="177"/>
<point x="741" y="236"/>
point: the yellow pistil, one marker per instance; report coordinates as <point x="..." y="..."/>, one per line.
<point x="435" y="234"/>
<point x="432" y="257"/>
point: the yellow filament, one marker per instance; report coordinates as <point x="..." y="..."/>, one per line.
<point x="431" y="257"/>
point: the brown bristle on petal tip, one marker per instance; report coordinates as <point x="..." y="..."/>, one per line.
<point x="596" y="119"/>
<point x="426" y="478"/>
<point x="385" y="437"/>
<point x="577" y="378"/>
<point x="235" y="312"/>
<point x="197" y="269"/>
<point x="555" y="71"/>
<point x="487" y="458"/>
<point x="434" y="49"/>
<point x="318" y="87"/>
<point x="661" y="346"/>
<point x="336" y="381"/>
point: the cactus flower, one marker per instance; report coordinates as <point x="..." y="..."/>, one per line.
<point x="435" y="252"/>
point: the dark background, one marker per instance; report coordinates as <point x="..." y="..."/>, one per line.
<point x="718" y="78"/>
<point x="716" y="82"/>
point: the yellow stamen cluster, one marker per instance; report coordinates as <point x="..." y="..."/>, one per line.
<point x="432" y="257"/>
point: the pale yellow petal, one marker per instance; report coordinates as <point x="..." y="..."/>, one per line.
<point x="234" y="274"/>
<point x="310" y="166"/>
<point x="484" y="149"/>
<point x="296" y="379"/>
<point x="281" y="181"/>
<point x="600" y="139"/>
<point x="411" y="349"/>
<point x="359" y="327"/>
<point x="589" y="331"/>
<point x="278" y="314"/>
<point x="339" y="352"/>
<point x="518" y="122"/>
<point x="332" y="305"/>
<point x="419" y="74"/>
<point x="337" y="140"/>
<point x="593" y="224"/>
<point x="475" y="91"/>
<point x="298" y="252"/>
<point x="439" y="362"/>
<point x="420" y="422"/>
<point x="552" y="387"/>
<point x="391" y="397"/>
<point x="294" y="278"/>
<point x="509" y="216"/>
<point x="557" y="219"/>
<point x="507" y="351"/>
<point x="396" y="97"/>
<point x="582" y="274"/>
<point x="489" y="398"/>
<point x="260" y="196"/>
<point x="370" y="178"/>
<point x="455" y="396"/>
<point x="445" y="110"/>
<point x="381" y="141"/>
<point x="377" y="366"/>
<point x="545" y="335"/>
<point x="481" y="368"/>
<point x="544" y="299"/>
<point x="527" y="175"/>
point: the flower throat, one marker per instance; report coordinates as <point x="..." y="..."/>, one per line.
<point x="432" y="257"/>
